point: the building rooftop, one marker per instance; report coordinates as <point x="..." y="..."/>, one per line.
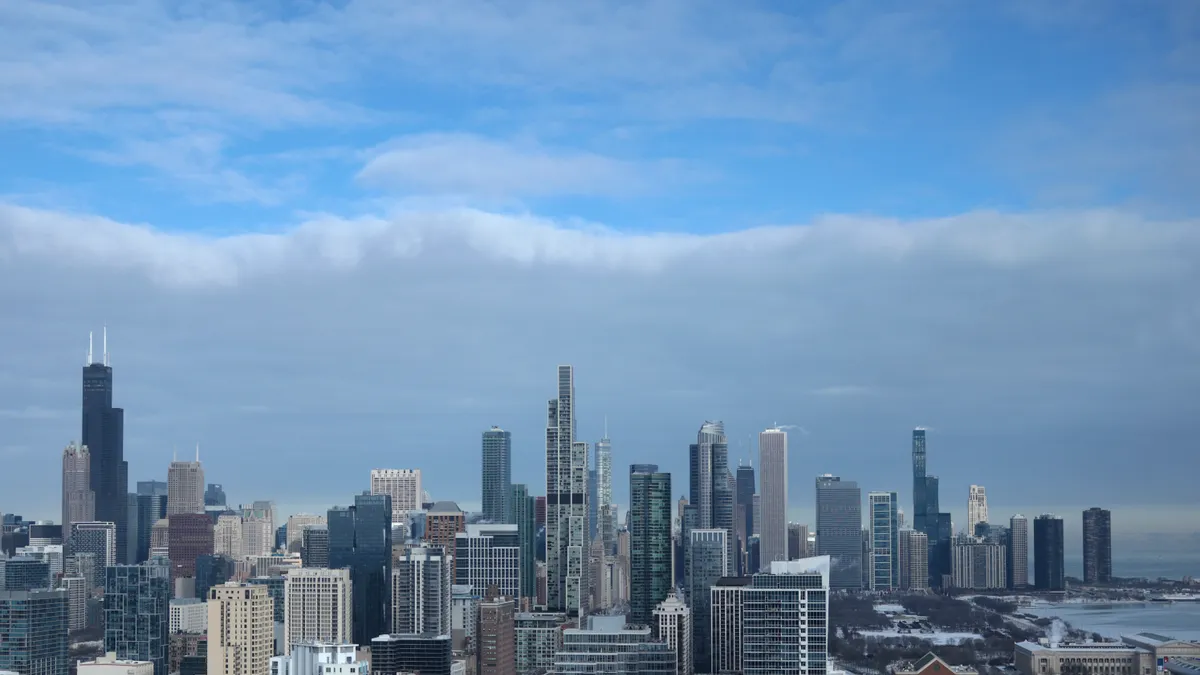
<point x="1080" y="646"/>
<point x="445" y="507"/>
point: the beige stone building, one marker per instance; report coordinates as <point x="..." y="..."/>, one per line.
<point x="317" y="607"/>
<point x="241" y="630"/>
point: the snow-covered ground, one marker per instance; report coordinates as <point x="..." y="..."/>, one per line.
<point x="889" y="609"/>
<point x="937" y="637"/>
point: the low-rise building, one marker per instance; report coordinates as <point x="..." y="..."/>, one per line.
<point x="1078" y="658"/>
<point x="931" y="664"/>
<point x="109" y="664"/>
<point x="1163" y="648"/>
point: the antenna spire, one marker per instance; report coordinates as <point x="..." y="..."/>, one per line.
<point x="197" y="453"/>
<point x="89" y="358"/>
<point x="106" y="345"/>
<point x="174" y="454"/>
<point x="606" y="426"/>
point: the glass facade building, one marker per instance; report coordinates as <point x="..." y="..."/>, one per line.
<point x="523" y="516"/>
<point x="360" y="538"/>
<point x="427" y="654"/>
<point x="33" y="632"/>
<point x="649" y="541"/>
<point x="137" y="613"/>
<point x="708" y="562"/>
<point x="1097" y="546"/>
<point x="839" y="530"/>
<point x="497" y="475"/>
<point x="884" y="537"/>
<point x="1049" y="573"/>
<point x="785" y="624"/>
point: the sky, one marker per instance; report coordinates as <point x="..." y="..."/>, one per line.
<point x="327" y="237"/>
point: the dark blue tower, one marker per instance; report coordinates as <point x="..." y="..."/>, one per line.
<point x="360" y="539"/>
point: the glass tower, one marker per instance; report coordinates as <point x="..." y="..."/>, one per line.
<point x="1048" y="571"/>
<point x="839" y="530"/>
<point x="523" y="516"/>
<point x="33" y="632"/>
<point x="103" y="433"/>
<point x="649" y="541"/>
<point x="884" y="538"/>
<point x="360" y="538"/>
<point x="137" y="615"/>
<point x="497" y="475"/>
<point x="1097" y="546"/>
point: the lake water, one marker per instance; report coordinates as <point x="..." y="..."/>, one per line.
<point x="1180" y="620"/>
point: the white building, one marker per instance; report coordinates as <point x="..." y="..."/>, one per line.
<point x="77" y="596"/>
<point x="977" y="510"/>
<point x="185" y="486"/>
<point x="51" y="554"/>
<point x="258" y="535"/>
<point x="539" y="637"/>
<point x="228" y="538"/>
<point x="404" y="487"/>
<point x="241" y="630"/>
<point x="320" y="658"/>
<point x="421" y="591"/>
<point x="189" y="615"/>
<point x="487" y="555"/>
<point x="773" y="488"/>
<point x="675" y="628"/>
<point x="978" y="565"/>
<point x="464" y="610"/>
<point x="109" y="664"/>
<point x="913" y="549"/>
<point x="1018" y="551"/>
<point x="318" y="607"/>
<point x="726" y="610"/>
<point x="791" y="600"/>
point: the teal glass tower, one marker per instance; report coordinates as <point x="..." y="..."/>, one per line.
<point x="649" y="541"/>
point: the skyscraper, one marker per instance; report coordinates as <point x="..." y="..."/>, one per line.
<point x="977" y="510"/>
<point x="497" y="650"/>
<point x="605" y="510"/>
<point x="98" y="538"/>
<point x="190" y="536"/>
<point x="523" y="516"/>
<point x="497" y="475"/>
<point x="745" y="489"/>
<point x="151" y="507"/>
<point x="914" y="560"/>
<point x="314" y="549"/>
<point x="772" y="459"/>
<point x="674" y="622"/>
<point x="785" y="626"/>
<point x="137" y="613"/>
<point x="104" y="435"/>
<point x="593" y="500"/>
<point x="421" y="591"/>
<point x="1017" y="569"/>
<point x="241" y="629"/>
<point x="711" y="489"/>
<point x="926" y="511"/>
<point x="566" y="503"/>
<point x="649" y="540"/>
<point x="1049" y="573"/>
<point x="884" y="541"/>
<point x="228" y="539"/>
<point x="360" y="538"/>
<point x="403" y="486"/>
<point x="317" y="607"/>
<point x="839" y="530"/>
<point x="708" y="562"/>
<point x="185" y="486"/>
<point x="1097" y="546"/>
<point x="33" y="632"/>
<point x="214" y="495"/>
<point x="78" y="499"/>
<point x="489" y="555"/>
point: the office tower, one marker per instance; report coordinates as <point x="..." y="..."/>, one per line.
<point x="214" y="495"/>
<point x="649" y="540"/>
<point x="212" y="570"/>
<point x="316" y="607"/>
<point x="977" y="510"/>
<point x="276" y="590"/>
<point x="673" y="619"/>
<point x="51" y="554"/>
<point x="315" y="550"/>
<point x="99" y="539"/>
<point x="797" y="538"/>
<point x="926" y="503"/>
<point x="190" y="536"/>
<point x="426" y="654"/>
<point x="913" y="555"/>
<point x="1017" y="569"/>
<point x="185" y="486"/>
<point x="104" y="435"/>
<point x="884" y="561"/>
<point x="33" y="632"/>
<point x="497" y="475"/>
<point x="708" y="562"/>
<point x="258" y="528"/>
<point x="977" y="564"/>
<point x="772" y="453"/>
<point x="726" y="607"/>
<point x="421" y="591"/>
<point x="78" y="499"/>
<point x="1049" y="573"/>
<point x="77" y="589"/>
<point x="785" y="630"/>
<point x="919" y="484"/>
<point x="45" y="533"/>
<point x="443" y="521"/>
<point x="489" y="555"/>
<point x="360" y="538"/>
<point x="496" y="652"/>
<point x="1097" y="546"/>
<point x="296" y="524"/>
<point x="523" y="516"/>
<point x="151" y="508"/>
<point x="605" y="510"/>
<point x="464" y="610"/>
<point x="137" y="614"/>
<point x="745" y="497"/>
<point x="241" y="630"/>
<point x="711" y="494"/>
<point x="402" y="485"/>
<point x="566" y="503"/>
<point x="607" y="645"/>
<point x="83" y="564"/>
<point x="839" y="530"/>
<point x="539" y="637"/>
<point x="228" y="536"/>
<point x="24" y="573"/>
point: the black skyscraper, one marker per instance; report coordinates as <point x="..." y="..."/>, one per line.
<point x="1097" y="546"/>
<point x="918" y="460"/>
<point x="926" y="517"/>
<point x="744" y="498"/>
<point x="1048" y="571"/>
<point x="104" y="434"/>
<point x="360" y="538"/>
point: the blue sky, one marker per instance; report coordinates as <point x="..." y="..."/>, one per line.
<point x="384" y="223"/>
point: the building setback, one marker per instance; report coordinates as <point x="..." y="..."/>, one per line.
<point x="566" y="503"/>
<point x="1097" y="546"/>
<point x="608" y="646"/>
<point x="426" y="654"/>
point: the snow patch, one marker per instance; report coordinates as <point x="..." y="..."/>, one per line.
<point x="936" y="637"/>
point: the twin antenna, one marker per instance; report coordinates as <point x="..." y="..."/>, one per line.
<point x="90" y="358"/>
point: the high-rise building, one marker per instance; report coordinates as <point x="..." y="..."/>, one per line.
<point x="674" y="623"/>
<point x="727" y="623"/>
<point x="593" y="501"/>
<point x="523" y="516"/>
<point x="214" y="495"/>
<point x="1017" y="568"/>
<point x="276" y="588"/>
<point x="839" y="530"/>
<point x="151" y="507"/>
<point x="317" y="607"/>
<point x="98" y="538"/>
<point x="185" y="486"/>
<point x="190" y="536"/>
<point x="137" y="613"/>
<point x="188" y="615"/>
<point x="913" y="553"/>
<point x="605" y="510"/>
<point x="539" y="637"/>
<point x="566" y="503"/>
<point x="258" y="528"/>
<point x="228" y="538"/>
<point x="443" y="521"/>
<point x="977" y="510"/>
<point x="104" y="435"/>
<point x="78" y="499"/>
<point x="317" y="658"/>
<point x="607" y="645"/>
<point x="1097" y="546"/>
<point x="496" y="652"/>
<point x="33" y="632"/>
<point x="710" y="483"/>
<point x="212" y="570"/>
<point x="83" y="564"/>
<point x="77" y="596"/>
<point x="744" y="491"/>
<point x="772" y="459"/>
<point x="798" y="541"/>
<point x="24" y="573"/>
<point x="497" y="475"/>
<point x="649" y="540"/>
<point x="403" y="486"/>
<point x="977" y="564"/>
<point x="421" y="591"/>
<point x="489" y="555"/>
<point x="927" y="513"/>
<point x="360" y="538"/>
<point x="315" y="546"/>
<point x="884" y="538"/>
<point x="708" y="562"/>
<point x="427" y="654"/>
<point x="1049" y="573"/>
<point x="785" y="629"/>
<point x="241" y="630"/>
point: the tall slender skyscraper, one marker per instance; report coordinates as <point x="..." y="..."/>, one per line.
<point x="772" y="453"/>
<point x="744" y="497"/>
<point x="421" y="591"/>
<point x="1097" y="546"/>
<point x="523" y="516"/>
<point x="649" y="540"/>
<point x="185" y="486"/>
<point x="497" y="475"/>
<point x="104" y="435"/>
<point x="710" y="483"/>
<point x="605" y="510"/>
<point x="884" y="542"/>
<point x="926" y="513"/>
<point x="977" y="510"/>
<point x="708" y="561"/>
<point x="1049" y="573"/>
<point x="566" y="503"/>
<point x="918" y="461"/>
<point x="839" y="530"/>
<point x="1017" y="569"/>
<point x="78" y="499"/>
<point x="360" y="537"/>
